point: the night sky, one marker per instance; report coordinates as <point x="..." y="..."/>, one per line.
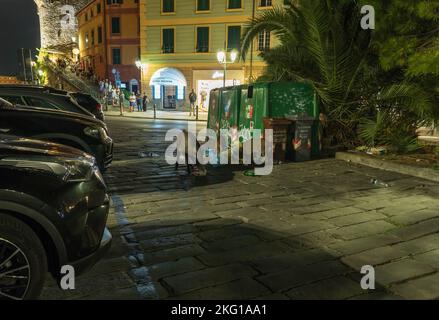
<point x="19" y="28"/>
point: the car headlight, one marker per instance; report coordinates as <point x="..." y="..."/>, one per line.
<point x="78" y="171"/>
<point x="97" y="133"/>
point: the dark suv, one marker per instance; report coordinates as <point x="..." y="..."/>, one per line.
<point x="88" y="102"/>
<point x="72" y="129"/>
<point x="53" y="212"/>
<point x="41" y="97"/>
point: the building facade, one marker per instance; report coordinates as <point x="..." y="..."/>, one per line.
<point x="109" y="41"/>
<point x="179" y="42"/>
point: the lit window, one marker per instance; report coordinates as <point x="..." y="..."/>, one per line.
<point x="264" y="41"/>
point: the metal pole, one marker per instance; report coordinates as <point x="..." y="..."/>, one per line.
<point x="197" y="113"/>
<point x="155" y="114"/>
<point x="251" y="48"/>
<point x="24" y="65"/>
<point x="31" y="67"/>
<point x="120" y="106"/>
<point x="225" y="71"/>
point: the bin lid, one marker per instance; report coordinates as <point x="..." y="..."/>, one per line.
<point x="299" y="118"/>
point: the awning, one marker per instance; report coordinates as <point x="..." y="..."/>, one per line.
<point x="168" y="77"/>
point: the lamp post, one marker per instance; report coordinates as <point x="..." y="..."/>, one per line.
<point x="222" y="59"/>
<point x="143" y="67"/>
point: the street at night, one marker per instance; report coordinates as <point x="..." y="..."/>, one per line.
<point x="228" y="236"/>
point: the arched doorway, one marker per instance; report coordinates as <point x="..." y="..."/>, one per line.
<point x="168" y="86"/>
<point x="134" y="85"/>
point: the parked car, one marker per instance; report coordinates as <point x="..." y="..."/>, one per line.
<point x="88" y="102"/>
<point x="42" y="97"/>
<point x="82" y="132"/>
<point x="53" y="212"/>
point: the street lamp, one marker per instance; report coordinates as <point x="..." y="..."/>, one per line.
<point x="222" y="59"/>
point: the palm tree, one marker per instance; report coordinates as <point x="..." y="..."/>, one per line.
<point x="322" y="43"/>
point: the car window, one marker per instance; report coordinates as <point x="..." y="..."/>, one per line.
<point x="40" y="103"/>
<point x="14" y="99"/>
<point x="73" y="104"/>
<point x="5" y="103"/>
<point x="84" y="100"/>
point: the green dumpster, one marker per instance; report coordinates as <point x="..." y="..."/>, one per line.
<point x="246" y="106"/>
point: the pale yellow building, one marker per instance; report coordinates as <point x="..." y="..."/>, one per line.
<point x="180" y="39"/>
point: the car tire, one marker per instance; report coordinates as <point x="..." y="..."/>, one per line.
<point x="17" y="237"/>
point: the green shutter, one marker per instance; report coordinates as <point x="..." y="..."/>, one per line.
<point x="168" y="5"/>
<point x="168" y="40"/>
<point x="203" y="39"/>
<point x="235" y="4"/>
<point x="116" y="56"/>
<point x="203" y="5"/>
<point x="234" y="38"/>
<point x="115" y="25"/>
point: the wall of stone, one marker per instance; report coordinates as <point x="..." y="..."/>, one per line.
<point x="58" y="22"/>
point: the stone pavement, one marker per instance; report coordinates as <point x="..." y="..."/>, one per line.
<point x="303" y="232"/>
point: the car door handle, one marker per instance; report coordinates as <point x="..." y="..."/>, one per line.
<point x="5" y="130"/>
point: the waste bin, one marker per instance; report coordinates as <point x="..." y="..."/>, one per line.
<point x="280" y="136"/>
<point x="300" y="139"/>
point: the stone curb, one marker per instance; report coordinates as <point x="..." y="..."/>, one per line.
<point x="424" y="173"/>
<point x="151" y="118"/>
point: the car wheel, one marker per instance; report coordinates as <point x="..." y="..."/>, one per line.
<point x="23" y="262"/>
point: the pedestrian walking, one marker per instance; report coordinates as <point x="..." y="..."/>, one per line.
<point x="192" y="100"/>
<point x="114" y="96"/>
<point x="139" y="102"/>
<point x="121" y="101"/>
<point x="145" y="102"/>
<point x="132" y="101"/>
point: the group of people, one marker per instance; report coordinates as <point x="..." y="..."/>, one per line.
<point x="140" y="101"/>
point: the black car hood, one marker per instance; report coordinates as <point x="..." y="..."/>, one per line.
<point x="12" y="145"/>
<point x="61" y="113"/>
<point x="34" y="156"/>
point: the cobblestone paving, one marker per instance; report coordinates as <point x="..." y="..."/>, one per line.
<point x="304" y="232"/>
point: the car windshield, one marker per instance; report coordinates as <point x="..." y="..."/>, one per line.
<point x="5" y="104"/>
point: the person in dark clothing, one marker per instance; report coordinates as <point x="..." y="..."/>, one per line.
<point x="192" y="100"/>
<point x="139" y="102"/>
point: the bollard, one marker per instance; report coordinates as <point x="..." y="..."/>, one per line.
<point x="196" y="118"/>
<point x="121" y="106"/>
<point x="155" y="111"/>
